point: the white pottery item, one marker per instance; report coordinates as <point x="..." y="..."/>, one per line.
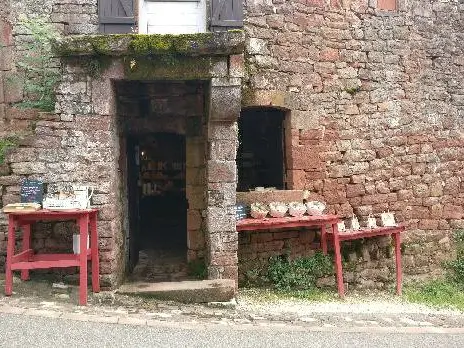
<point x="258" y="210"/>
<point x="278" y="209"/>
<point x="315" y="208"/>
<point x="355" y="223"/>
<point x="388" y="219"/>
<point x="371" y="222"/>
<point x="296" y="209"/>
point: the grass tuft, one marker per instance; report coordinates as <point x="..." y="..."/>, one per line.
<point x="437" y="293"/>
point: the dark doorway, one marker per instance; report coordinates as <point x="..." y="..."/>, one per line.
<point x="260" y="156"/>
<point x="158" y="120"/>
<point x="157" y="204"/>
<point x="163" y="205"/>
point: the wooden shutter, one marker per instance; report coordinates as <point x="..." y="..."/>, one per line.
<point x="226" y="14"/>
<point x="116" y="16"/>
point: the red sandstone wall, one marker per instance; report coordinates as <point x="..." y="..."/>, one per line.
<point x="376" y="107"/>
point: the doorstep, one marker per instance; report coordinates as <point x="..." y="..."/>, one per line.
<point x="192" y="291"/>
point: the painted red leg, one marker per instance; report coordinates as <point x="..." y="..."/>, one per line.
<point x="399" y="270"/>
<point x="84" y="229"/>
<point x="26" y="246"/>
<point x="324" y="239"/>
<point x="9" y="256"/>
<point x="338" y="263"/>
<point x="94" y="248"/>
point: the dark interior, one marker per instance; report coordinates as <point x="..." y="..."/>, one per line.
<point x="260" y="156"/>
<point x="160" y="176"/>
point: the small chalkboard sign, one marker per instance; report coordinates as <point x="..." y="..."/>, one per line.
<point x="32" y="191"/>
<point x="241" y="211"/>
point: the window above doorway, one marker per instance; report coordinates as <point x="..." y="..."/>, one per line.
<point x="169" y="16"/>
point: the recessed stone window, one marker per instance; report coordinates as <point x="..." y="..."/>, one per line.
<point x="387" y="5"/>
<point x="261" y="155"/>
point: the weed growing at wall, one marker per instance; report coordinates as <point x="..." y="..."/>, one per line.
<point x="298" y="274"/>
<point x="197" y="269"/>
<point x="456" y="267"/>
<point x="40" y="76"/>
<point x="6" y="144"/>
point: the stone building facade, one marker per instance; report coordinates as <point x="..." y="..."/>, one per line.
<point x="373" y="105"/>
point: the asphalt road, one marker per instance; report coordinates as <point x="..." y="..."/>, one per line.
<point x="30" y="331"/>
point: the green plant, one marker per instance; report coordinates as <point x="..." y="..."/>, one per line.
<point x="298" y="274"/>
<point x="352" y="90"/>
<point x="40" y="76"/>
<point x="6" y="144"/>
<point x="197" y="269"/>
<point x="439" y="293"/>
<point x="456" y="267"/>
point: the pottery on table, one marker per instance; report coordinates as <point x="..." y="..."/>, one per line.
<point x="278" y="209"/>
<point x="315" y="208"/>
<point x="296" y="209"/>
<point x="259" y="210"/>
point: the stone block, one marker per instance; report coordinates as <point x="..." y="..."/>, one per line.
<point x="220" y="219"/>
<point x="103" y="97"/>
<point x="6" y="58"/>
<point x="223" y="131"/>
<point x="6" y="37"/>
<point x="237" y="65"/>
<point x="305" y="119"/>
<point x="222" y="150"/>
<point x="2" y="92"/>
<point x="257" y="46"/>
<point x="225" y="103"/>
<point x="194" y="219"/>
<point x="267" y="98"/>
<point x="195" y="239"/>
<point x="200" y="291"/>
<point x="304" y="157"/>
<point x="296" y="179"/>
<point x="221" y="171"/>
<point x="13" y="84"/>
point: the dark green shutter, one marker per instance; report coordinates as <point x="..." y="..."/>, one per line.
<point x="116" y="16"/>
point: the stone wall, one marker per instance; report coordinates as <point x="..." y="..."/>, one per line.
<point x="377" y="111"/>
<point x="255" y="249"/>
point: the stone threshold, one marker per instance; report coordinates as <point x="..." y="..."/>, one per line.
<point x="191" y="291"/>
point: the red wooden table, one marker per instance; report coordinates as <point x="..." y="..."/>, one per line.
<point x="27" y="260"/>
<point x="339" y="237"/>
<point x="321" y="221"/>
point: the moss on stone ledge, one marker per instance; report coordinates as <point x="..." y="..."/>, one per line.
<point x="221" y="43"/>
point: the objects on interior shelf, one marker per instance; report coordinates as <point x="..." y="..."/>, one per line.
<point x="296" y="209"/>
<point x="371" y="222"/>
<point x="388" y="219"/>
<point x="355" y="223"/>
<point x="259" y="210"/>
<point x="315" y="208"/>
<point x="278" y="209"/>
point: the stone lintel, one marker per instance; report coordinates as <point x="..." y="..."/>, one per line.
<point x="201" y="44"/>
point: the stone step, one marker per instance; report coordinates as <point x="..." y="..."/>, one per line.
<point x="192" y="291"/>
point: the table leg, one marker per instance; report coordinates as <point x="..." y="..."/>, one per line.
<point x="94" y="248"/>
<point x="9" y="256"/>
<point x="324" y="239"/>
<point x="399" y="271"/>
<point x="26" y="246"/>
<point x="84" y="230"/>
<point x="338" y="263"/>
